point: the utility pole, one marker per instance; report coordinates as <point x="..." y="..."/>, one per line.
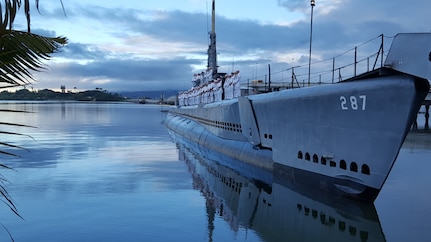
<point x="313" y="3"/>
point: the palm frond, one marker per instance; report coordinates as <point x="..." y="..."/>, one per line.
<point x="7" y="230"/>
<point x="4" y="195"/>
<point x="8" y="201"/>
<point x="62" y="6"/>
<point x="12" y="125"/>
<point x="23" y="52"/>
<point x="20" y="53"/>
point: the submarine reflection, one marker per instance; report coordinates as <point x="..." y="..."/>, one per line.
<point x="274" y="207"/>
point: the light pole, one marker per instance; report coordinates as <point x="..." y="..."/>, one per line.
<point x="313" y="3"/>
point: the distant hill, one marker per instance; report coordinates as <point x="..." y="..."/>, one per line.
<point x="46" y="94"/>
<point x="148" y="94"/>
<point x="91" y="95"/>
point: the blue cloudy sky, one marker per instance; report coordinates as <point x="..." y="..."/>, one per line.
<point x="138" y="45"/>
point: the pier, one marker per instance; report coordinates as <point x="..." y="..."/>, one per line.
<point x="426" y="103"/>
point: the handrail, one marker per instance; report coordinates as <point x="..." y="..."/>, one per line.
<point x="327" y="69"/>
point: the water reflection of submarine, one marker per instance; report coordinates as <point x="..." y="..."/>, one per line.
<point x="277" y="212"/>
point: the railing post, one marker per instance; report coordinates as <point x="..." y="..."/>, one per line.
<point x="333" y="69"/>
<point x="269" y="77"/>
<point x="354" y="67"/>
<point x="427" y="116"/>
<point x="368" y="64"/>
<point x="381" y="60"/>
<point x="293" y="74"/>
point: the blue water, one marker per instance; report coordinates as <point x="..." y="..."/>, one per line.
<point x="112" y="172"/>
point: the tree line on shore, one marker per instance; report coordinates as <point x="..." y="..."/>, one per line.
<point x="46" y="94"/>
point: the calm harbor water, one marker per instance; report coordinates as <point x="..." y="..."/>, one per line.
<point x="112" y="172"/>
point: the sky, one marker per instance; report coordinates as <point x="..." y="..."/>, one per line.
<point x="148" y="45"/>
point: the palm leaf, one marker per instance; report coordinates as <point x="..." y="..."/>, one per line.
<point x="8" y="124"/>
<point x="22" y="52"/>
<point x="4" y="195"/>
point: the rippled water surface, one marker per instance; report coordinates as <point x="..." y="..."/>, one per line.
<point x="112" y="172"/>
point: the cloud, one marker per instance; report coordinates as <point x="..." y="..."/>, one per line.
<point x="121" y="49"/>
<point x="119" y="75"/>
<point x="77" y="51"/>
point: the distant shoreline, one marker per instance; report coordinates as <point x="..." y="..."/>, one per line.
<point x="49" y="95"/>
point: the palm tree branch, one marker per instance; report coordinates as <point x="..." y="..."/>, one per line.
<point x="13" y="146"/>
<point x="21" y="52"/>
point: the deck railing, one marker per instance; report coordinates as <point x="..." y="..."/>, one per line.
<point x="360" y="59"/>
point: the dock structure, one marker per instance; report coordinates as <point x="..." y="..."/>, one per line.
<point x="426" y="103"/>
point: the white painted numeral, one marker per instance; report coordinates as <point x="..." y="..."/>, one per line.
<point x="343" y="103"/>
<point x="364" y="101"/>
<point x="353" y="102"/>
